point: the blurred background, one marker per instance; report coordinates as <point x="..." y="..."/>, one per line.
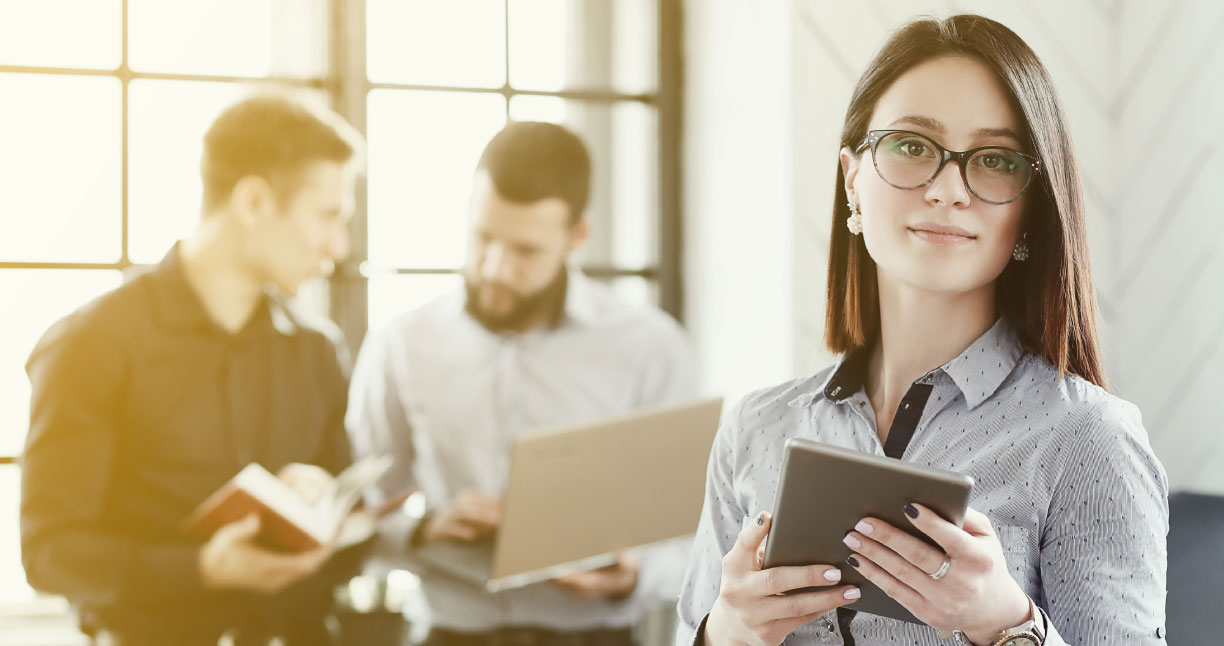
<point x="714" y="129"/>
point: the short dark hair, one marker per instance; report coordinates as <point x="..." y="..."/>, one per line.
<point x="271" y="135"/>
<point x="1050" y="298"/>
<point x="529" y="161"/>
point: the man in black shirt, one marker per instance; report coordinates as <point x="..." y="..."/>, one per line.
<point x="149" y="398"/>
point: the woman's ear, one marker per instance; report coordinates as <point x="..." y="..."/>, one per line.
<point x="850" y="167"/>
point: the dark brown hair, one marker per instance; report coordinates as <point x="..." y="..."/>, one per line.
<point x="529" y="161"/>
<point x="1049" y="298"/>
<point x="271" y="135"/>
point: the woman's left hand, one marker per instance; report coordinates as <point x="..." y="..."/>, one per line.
<point x="976" y="595"/>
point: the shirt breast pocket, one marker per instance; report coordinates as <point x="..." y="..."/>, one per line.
<point x="1020" y="553"/>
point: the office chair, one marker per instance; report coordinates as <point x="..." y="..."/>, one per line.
<point x="1196" y="568"/>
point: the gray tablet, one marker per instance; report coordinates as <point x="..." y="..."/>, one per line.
<point x="824" y="490"/>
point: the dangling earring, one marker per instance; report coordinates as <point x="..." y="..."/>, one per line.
<point x="1021" y="251"/>
<point x="855" y="221"/>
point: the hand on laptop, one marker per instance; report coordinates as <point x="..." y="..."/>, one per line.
<point x="471" y="516"/>
<point x="614" y="582"/>
<point x="231" y="559"/>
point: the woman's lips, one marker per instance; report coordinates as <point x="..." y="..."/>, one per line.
<point x="942" y="237"/>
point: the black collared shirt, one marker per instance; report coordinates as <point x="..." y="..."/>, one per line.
<point x="141" y="407"/>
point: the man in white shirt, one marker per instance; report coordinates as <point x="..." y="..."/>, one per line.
<point x="528" y="343"/>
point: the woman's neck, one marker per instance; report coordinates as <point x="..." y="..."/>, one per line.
<point x="920" y="331"/>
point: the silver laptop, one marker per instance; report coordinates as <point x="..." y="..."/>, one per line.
<point x="579" y="495"/>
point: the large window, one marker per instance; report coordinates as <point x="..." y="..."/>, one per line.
<point x="105" y="104"/>
<point x="106" y="101"/>
<point x="439" y="79"/>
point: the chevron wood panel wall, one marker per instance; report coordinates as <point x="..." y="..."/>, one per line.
<point x="1142" y="84"/>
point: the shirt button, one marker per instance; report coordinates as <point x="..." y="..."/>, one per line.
<point x="828" y="625"/>
<point x="905" y="406"/>
<point x="1160" y="632"/>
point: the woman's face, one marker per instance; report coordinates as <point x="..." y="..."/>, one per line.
<point x="939" y="237"/>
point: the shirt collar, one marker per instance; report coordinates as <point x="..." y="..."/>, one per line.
<point x="844" y="380"/>
<point x="978" y="372"/>
<point x="579" y="297"/>
<point x="179" y="307"/>
<point x="981" y="368"/>
<point x="177" y="304"/>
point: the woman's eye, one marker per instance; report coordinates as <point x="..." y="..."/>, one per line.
<point x="914" y="148"/>
<point x="996" y="162"/>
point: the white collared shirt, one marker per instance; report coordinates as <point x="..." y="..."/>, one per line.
<point x="447" y="397"/>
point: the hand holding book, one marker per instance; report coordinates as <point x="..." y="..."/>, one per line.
<point x="232" y="559"/>
<point x="303" y="511"/>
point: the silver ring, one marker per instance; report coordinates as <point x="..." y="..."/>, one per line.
<point x="943" y="569"/>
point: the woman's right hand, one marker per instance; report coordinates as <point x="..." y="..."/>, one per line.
<point x="751" y="611"/>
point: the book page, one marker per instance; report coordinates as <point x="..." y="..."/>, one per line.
<point x="344" y="493"/>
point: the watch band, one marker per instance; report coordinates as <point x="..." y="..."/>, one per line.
<point x="1034" y="630"/>
<point x="1029" y="632"/>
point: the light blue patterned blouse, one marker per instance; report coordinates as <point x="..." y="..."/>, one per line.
<point x="1062" y="468"/>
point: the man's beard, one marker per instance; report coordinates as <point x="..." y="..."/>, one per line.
<point x="545" y="304"/>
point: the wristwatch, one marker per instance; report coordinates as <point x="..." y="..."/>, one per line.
<point x="1029" y="633"/>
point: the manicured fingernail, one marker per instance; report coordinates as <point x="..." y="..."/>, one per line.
<point x="853" y="542"/>
<point x="761" y="518"/>
<point x="910" y="510"/>
<point x="852" y="561"/>
<point x="832" y="575"/>
<point x="852" y="593"/>
<point x="864" y="527"/>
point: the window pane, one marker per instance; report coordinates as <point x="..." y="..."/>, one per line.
<point x="623" y="141"/>
<point x="26" y="618"/>
<point x="60" y="33"/>
<point x="13" y="586"/>
<point x="584" y="44"/>
<point x="167" y="124"/>
<point x="423" y="149"/>
<point x="30" y="301"/>
<point x="393" y="294"/>
<point x="427" y="42"/>
<point x="538" y="108"/>
<point x="59" y="172"/>
<point x="229" y="37"/>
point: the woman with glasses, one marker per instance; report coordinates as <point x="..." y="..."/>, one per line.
<point x="961" y="300"/>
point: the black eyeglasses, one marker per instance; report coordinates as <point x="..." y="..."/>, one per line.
<point x="993" y="174"/>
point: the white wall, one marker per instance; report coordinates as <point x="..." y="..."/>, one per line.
<point x="738" y="193"/>
<point x="768" y="87"/>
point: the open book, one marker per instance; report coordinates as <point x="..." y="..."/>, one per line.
<point x="288" y="522"/>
